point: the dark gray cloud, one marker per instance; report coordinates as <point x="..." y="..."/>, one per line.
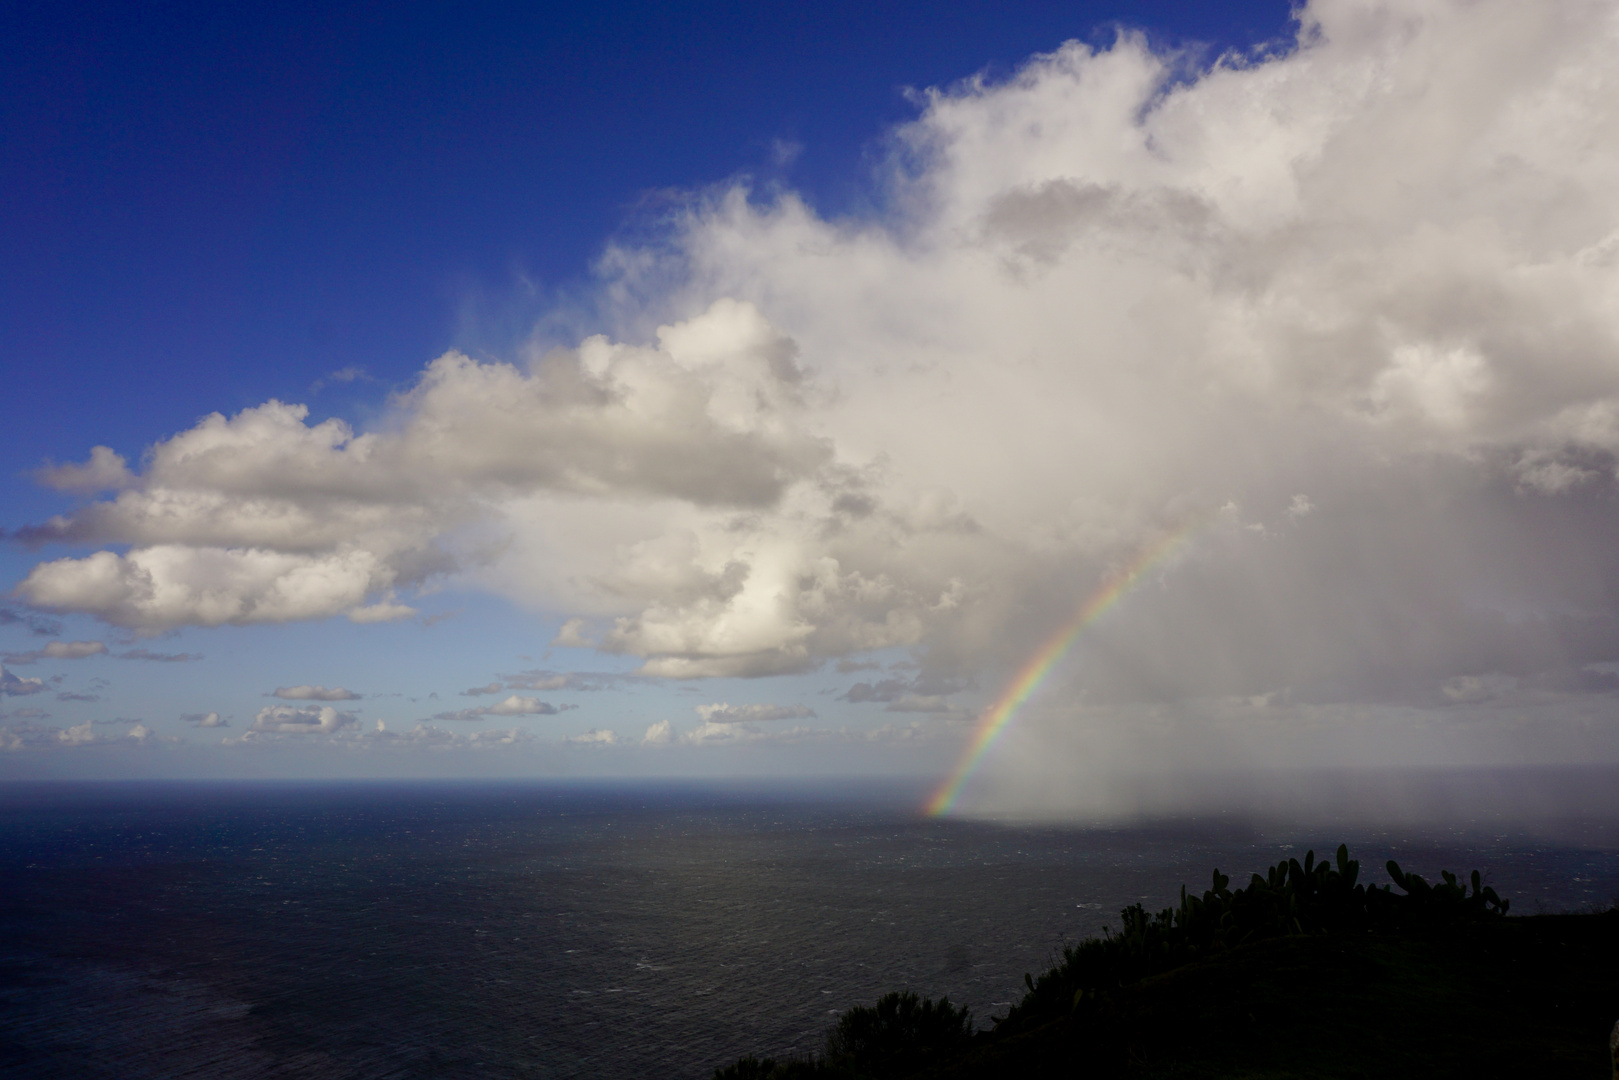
<point x="16" y="686"/>
<point x="36" y="624"/>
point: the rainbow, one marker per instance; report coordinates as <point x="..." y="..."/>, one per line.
<point x="998" y="715"/>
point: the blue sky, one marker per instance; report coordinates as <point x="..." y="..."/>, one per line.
<point x="1128" y="286"/>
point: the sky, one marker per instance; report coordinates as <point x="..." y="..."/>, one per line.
<point x="745" y="390"/>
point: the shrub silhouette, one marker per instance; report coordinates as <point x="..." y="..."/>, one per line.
<point x="898" y="1035"/>
<point x="902" y="1033"/>
<point x="1292" y="898"/>
<point x="752" y="1068"/>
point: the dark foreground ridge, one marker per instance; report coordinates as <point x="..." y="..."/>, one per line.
<point x="1305" y="972"/>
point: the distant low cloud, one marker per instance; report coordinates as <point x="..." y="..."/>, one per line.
<point x="69" y="696"/>
<point x="488" y="688"/>
<point x="315" y="693"/>
<point x="310" y="720"/>
<point x="919" y="703"/>
<point x="205" y="720"/>
<point x="16" y="686"/>
<point x="86" y="734"/>
<point x="342" y="376"/>
<point x="724" y="713"/>
<point x="520" y="706"/>
<point x="157" y="657"/>
<point x="38" y="625"/>
<point x="924" y="693"/>
<point x="58" y="650"/>
<point x="582" y="681"/>
<point x="514" y="705"/>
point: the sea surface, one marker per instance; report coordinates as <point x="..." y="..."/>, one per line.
<point x="551" y="930"/>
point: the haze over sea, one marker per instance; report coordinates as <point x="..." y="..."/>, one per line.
<point x="573" y="930"/>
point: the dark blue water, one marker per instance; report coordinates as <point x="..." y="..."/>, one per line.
<point x="554" y="931"/>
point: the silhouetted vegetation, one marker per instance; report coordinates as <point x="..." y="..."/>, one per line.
<point x="898" y="1036"/>
<point x="1090" y="989"/>
<point x="1292" y="898"/>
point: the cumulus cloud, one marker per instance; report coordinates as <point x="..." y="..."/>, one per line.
<point x="205" y="720"/>
<point x="309" y="720"/>
<point x="724" y="713"/>
<point x="315" y="693"/>
<point x="488" y="688"/>
<point x="59" y="650"/>
<point x="1358" y="292"/>
<point x="85" y="734"/>
<point x="262" y="517"/>
<point x="105" y="471"/>
<point x="520" y="706"/>
<point x="515" y="705"/>
<point x="593" y="738"/>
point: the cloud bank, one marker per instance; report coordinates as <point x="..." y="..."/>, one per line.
<point x="1348" y="312"/>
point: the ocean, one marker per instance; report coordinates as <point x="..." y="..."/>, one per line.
<point x="570" y="930"/>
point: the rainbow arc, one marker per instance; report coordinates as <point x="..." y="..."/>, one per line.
<point x="994" y="719"/>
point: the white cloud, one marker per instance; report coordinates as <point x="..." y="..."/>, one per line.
<point x="1097" y="302"/>
<point x="309" y="720"/>
<point x="386" y="611"/>
<point x="263" y="518"/>
<point x="593" y="738"/>
<point x="168" y="585"/>
<point x="105" y="471"/>
<point x="315" y="693"/>
<point x="85" y="734"/>
<point x="660" y="733"/>
<point x="520" y="706"/>
<point x="79" y="734"/>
